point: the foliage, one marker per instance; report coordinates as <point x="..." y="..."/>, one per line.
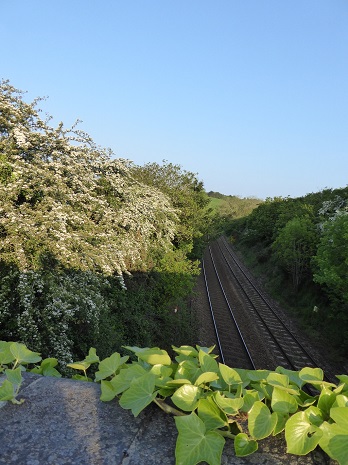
<point x="187" y="197"/>
<point x="74" y="223"/>
<point x="295" y="246"/>
<point x="16" y="358"/>
<point x="332" y="256"/>
<point x="299" y="246"/>
<point x="65" y="199"/>
<point x="212" y="402"/>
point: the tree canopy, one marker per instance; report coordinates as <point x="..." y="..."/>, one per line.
<point x="65" y="199"/>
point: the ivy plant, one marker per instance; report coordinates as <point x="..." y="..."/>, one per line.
<point x="212" y="402"/>
<point x="16" y="358"/>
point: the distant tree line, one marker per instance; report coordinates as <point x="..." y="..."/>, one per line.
<point x="302" y="243"/>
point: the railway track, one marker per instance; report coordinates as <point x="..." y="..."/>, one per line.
<point x="270" y="341"/>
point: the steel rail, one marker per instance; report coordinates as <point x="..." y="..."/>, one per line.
<point x="250" y="359"/>
<point x="269" y="307"/>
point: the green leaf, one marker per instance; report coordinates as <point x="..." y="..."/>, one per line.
<point x="161" y="371"/>
<point x="314" y="415"/>
<point x="107" y="391"/>
<point x="281" y="422"/>
<point x="315" y="377"/>
<point x="249" y="398"/>
<point x="187" y="351"/>
<point x="6" y="355"/>
<point x="7" y="391"/>
<point x="79" y="365"/>
<point x="207" y="362"/>
<point x="341" y="401"/>
<point x="22" y="354"/>
<point x="178" y="382"/>
<point x="334" y="442"/>
<point x="304" y="399"/>
<point x="229" y="375"/>
<point x="258" y="375"/>
<point x="261" y="422"/>
<point x="281" y="381"/>
<point x="228" y="405"/>
<point x="283" y="402"/>
<point x="301" y="435"/>
<point x="47" y="368"/>
<point x="244" y="446"/>
<point x="14" y="376"/>
<point x="188" y="369"/>
<point x="210" y="414"/>
<point x="206" y="377"/>
<point x="195" y="444"/>
<point x="152" y="356"/>
<point x="293" y="376"/>
<point x="326" y="400"/>
<point x="126" y="376"/>
<point x="140" y="394"/>
<point x="92" y="356"/>
<point x="340" y="416"/>
<point x="186" y="397"/>
<point x="110" y="365"/>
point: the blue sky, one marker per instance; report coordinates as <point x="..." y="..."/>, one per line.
<point x="252" y="95"/>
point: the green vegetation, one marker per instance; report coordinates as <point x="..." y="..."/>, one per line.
<point x="299" y="247"/>
<point x="210" y="401"/>
<point x="225" y="208"/>
<point x="94" y="250"/>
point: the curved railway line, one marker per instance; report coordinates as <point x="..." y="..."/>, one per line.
<point x="249" y="330"/>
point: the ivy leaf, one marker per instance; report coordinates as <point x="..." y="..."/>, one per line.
<point x="83" y="366"/>
<point x="261" y="422"/>
<point x="281" y="422"/>
<point x="340" y="416"/>
<point x="244" y="446"/>
<point x="92" y="356"/>
<point x="14" y="376"/>
<point x="301" y="435"/>
<point x="293" y="376"/>
<point x="6" y="356"/>
<point x="210" y="414"/>
<point x="249" y="399"/>
<point x="110" y="365"/>
<point x="341" y="401"/>
<point x="140" y="394"/>
<point x="311" y="375"/>
<point x="258" y="375"/>
<point x="228" y="405"/>
<point x="326" y="400"/>
<point x="108" y="392"/>
<point x="206" y="377"/>
<point x="47" y="368"/>
<point x="22" y="354"/>
<point x="187" y="351"/>
<point x="281" y="381"/>
<point x="120" y="382"/>
<point x="207" y="362"/>
<point x="153" y="356"/>
<point x="283" y="402"/>
<point x="334" y="441"/>
<point x="194" y="444"/>
<point x="229" y="375"/>
<point x="186" y="397"/>
<point x="7" y="391"/>
<point x="188" y="369"/>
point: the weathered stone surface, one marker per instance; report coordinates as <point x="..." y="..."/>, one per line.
<point x="63" y="422"/>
